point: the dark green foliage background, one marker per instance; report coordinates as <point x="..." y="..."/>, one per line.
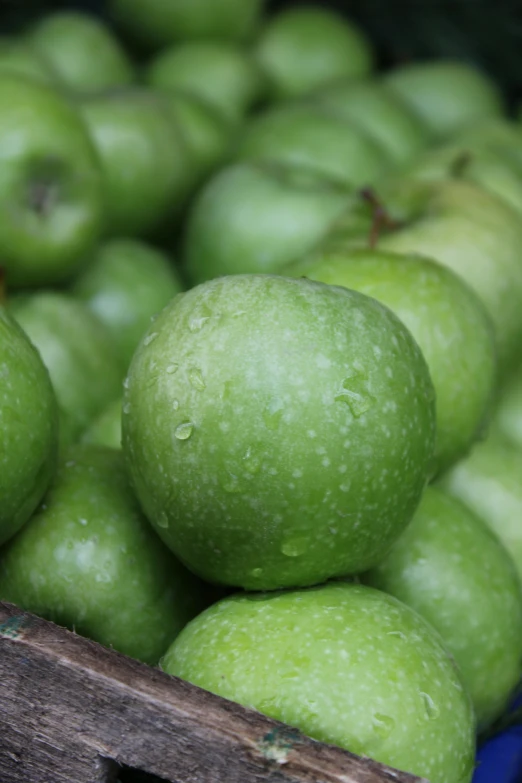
<point x="486" y="32"/>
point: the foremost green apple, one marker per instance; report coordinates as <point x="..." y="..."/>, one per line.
<point x="316" y="139"/>
<point x="471" y="231"/>
<point x="82" y="51"/>
<point x="453" y="571"/>
<point x="264" y="214"/>
<point x="446" y="319"/>
<point x="507" y="418"/>
<point x="17" y="56"/>
<point x="105" y="430"/>
<point x="125" y="284"/>
<point x="448" y="95"/>
<point x="488" y="482"/>
<point x="78" y="351"/>
<point x="50" y="185"/>
<point x="302" y="49"/>
<point x="29" y="426"/>
<point x="343" y="663"/>
<point x="278" y="432"/>
<point x="89" y="560"/>
<point x="372" y="106"/>
<point x="223" y="74"/>
<point x="143" y="159"/>
<point x="161" y="22"/>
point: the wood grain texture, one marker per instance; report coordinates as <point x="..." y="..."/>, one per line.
<point x="71" y="711"/>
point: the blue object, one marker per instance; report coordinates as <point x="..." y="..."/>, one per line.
<point x="499" y="760"/>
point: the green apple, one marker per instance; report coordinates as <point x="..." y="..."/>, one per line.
<point x="89" y="560"/>
<point x="29" y="427"/>
<point x="207" y="135"/>
<point x="457" y="223"/>
<point x="19" y="57"/>
<point x="371" y="106"/>
<point x="143" y="158"/>
<point x="105" y="430"/>
<point x="125" y="284"/>
<point x="453" y="571"/>
<point x="488" y="482"/>
<point x="278" y="432"/>
<point x="507" y="417"/>
<point x="343" y="663"/>
<point x="499" y="135"/>
<point x="161" y="22"/>
<point x="314" y="138"/>
<point x="78" y="351"/>
<point x="446" y="319"/>
<point x="50" y="185"/>
<point x="264" y="214"/>
<point x="82" y="50"/>
<point x="221" y="73"/>
<point x="302" y="49"/>
<point x="448" y="95"/>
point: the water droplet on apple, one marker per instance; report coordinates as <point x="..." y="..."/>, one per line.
<point x="127" y="407"/>
<point x="197" y="323"/>
<point x="126" y="382"/>
<point x="383" y="725"/>
<point x="171" y="369"/>
<point x="83" y="521"/>
<point x="295" y="546"/>
<point x="150" y="338"/>
<point x="175" y="405"/>
<point x="354" y="393"/>
<point x="196" y="379"/>
<point x="430" y="708"/>
<point x="398" y="634"/>
<point x="256" y="573"/>
<point x="163" y="520"/>
<point x="251" y="462"/>
<point x="184" y="431"/>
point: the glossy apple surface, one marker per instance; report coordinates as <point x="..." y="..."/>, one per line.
<point x="125" y="284"/>
<point x="265" y="214"/>
<point x="89" y="560"/>
<point x="29" y="427"/>
<point x="507" y="417"/>
<point x="50" y="185"/>
<point x="452" y="570"/>
<point x="82" y="50"/>
<point x="315" y="139"/>
<point x="343" y="663"/>
<point x="448" y="95"/>
<point x="445" y="318"/>
<point x="18" y="56"/>
<point x="78" y="351"/>
<point x="278" y="432"/>
<point x="302" y="49"/>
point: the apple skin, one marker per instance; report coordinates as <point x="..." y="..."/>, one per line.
<point x="488" y="483"/>
<point x="105" y="430"/>
<point x="265" y="215"/>
<point x="278" y="432"/>
<point x="19" y="57"/>
<point x="50" y="185"/>
<point x="446" y="319"/>
<point x="162" y="22"/>
<point x="302" y="49"/>
<point x="343" y="663"/>
<point x="314" y="138"/>
<point x="143" y="159"/>
<point x="448" y="95"/>
<point x="69" y="39"/>
<point x="372" y="107"/>
<point x="78" y="352"/>
<point x="507" y="417"/>
<point x="222" y="74"/>
<point x="29" y="426"/>
<point x="458" y="224"/>
<point x="89" y="560"/>
<point x="450" y="568"/>
<point x="125" y="284"/>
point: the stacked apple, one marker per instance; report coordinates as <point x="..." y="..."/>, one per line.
<point x="297" y="484"/>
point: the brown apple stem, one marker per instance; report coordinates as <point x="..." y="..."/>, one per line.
<point x="381" y="218"/>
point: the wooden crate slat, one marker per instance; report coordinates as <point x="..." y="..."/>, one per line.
<point x="72" y="710"/>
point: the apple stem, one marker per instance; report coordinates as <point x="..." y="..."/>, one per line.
<point x="381" y="217"/>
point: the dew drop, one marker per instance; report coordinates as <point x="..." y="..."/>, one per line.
<point x="383" y="725"/>
<point x="251" y="462"/>
<point x="83" y="521"/>
<point x="196" y="379"/>
<point x="256" y="573"/>
<point x="126" y="382"/>
<point x="295" y="546"/>
<point x="354" y="393"/>
<point x="127" y="407"/>
<point x="163" y="520"/>
<point x="175" y="405"/>
<point x="184" y="431"/>
<point x="171" y="369"/>
<point x="150" y="338"/>
<point x="431" y="709"/>
<point x="197" y="323"/>
<point x="398" y="634"/>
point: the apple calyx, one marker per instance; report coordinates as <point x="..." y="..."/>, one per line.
<point x="381" y="218"/>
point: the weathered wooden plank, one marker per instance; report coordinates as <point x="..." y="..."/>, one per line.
<point x="72" y="710"/>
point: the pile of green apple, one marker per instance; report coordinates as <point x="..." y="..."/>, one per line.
<point x="261" y="366"/>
